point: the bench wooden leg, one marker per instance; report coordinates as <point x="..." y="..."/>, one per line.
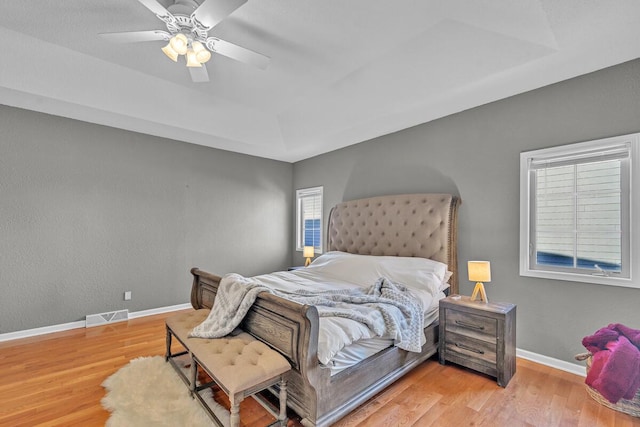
<point x="193" y="371"/>
<point x="168" y="342"/>
<point x="234" y="417"/>
<point x="283" y="402"/>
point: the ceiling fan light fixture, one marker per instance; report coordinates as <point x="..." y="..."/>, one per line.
<point x="188" y="23"/>
<point x="202" y="54"/>
<point x="171" y="54"/>
<point x="192" y="60"/>
<point x="179" y="43"/>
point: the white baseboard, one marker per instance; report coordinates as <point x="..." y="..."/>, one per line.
<point x="82" y="323"/>
<point x="550" y="361"/>
<point x="525" y="354"/>
<point x="41" y="331"/>
<point x="159" y="310"/>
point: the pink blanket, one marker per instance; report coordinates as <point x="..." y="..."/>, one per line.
<point x="615" y="367"/>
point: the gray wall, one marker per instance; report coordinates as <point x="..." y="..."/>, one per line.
<point x="88" y="212"/>
<point x="475" y="154"/>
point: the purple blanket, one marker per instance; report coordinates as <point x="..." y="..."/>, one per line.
<point x="615" y="367"/>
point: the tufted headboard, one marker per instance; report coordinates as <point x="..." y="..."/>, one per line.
<point x="411" y="225"/>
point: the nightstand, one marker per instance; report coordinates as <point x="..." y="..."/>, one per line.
<point x="298" y="267"/>
<point x="479" y="335"/>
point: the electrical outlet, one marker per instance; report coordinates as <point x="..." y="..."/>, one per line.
<point x="127" y="295"/>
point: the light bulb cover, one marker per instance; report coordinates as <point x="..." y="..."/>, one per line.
<point x="171" y="54"/>
<point x="192" y="61"/>
<point x="197" y="46"/>
<point x="179" y="43"/>
<point x="202" y="54"/>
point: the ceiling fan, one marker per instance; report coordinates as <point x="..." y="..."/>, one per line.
<point x="188" y="23"/>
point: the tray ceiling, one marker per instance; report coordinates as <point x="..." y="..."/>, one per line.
<point x="341" y="72"/>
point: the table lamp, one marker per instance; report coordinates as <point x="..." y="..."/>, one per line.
<point x="479" y="272"/>
<point x="308" y="252"/>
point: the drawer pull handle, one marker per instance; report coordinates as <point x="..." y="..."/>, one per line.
<point x="474" y="350"/>
<point x="470" y="325"/>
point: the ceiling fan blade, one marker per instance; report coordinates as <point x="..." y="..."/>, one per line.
<point x="211" y="12"/>
<point x="136" y="36"/>
<point x="155" y="7"/>
<point x="238" y="53"/>
<point x="199" y="74"/>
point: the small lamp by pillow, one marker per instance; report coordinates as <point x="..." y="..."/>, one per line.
<point x="479" y="272"/>
<point x="308" y="252"/>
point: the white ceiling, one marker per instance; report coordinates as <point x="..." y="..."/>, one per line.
<point x="341" y="72"/>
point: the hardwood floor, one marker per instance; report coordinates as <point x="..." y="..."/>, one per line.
<point x="54" y="380"/>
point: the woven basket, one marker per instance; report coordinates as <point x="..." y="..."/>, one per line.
<point x="631" y="407"/>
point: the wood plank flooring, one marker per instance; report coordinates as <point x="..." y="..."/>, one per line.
<point x="54" y="380"/>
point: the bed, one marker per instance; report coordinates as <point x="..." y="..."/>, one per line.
<point x="411" y="225"/>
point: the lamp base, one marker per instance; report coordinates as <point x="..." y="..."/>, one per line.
<point x="479" y="289"/>
<point x="307" y="262"/>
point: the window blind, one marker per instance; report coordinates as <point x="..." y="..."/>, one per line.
<point x="577" y="207"/>
<point x="619" y="151"/>
<point x="310" y="218"/>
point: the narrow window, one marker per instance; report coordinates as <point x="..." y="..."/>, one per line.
<point x="309" y="218"/>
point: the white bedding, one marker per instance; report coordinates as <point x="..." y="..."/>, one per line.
<point x="337" y="270"/>
<point x="360" y="350"/>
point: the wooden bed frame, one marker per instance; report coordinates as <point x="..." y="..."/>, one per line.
<point x="423" y="225"/>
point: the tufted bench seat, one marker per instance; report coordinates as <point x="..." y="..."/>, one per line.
<point x="239" y="364"/>
<point x="178" y="326"/>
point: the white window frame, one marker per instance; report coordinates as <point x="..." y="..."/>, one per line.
<point x="300" y="195"/>
<point x="630" y="213"/>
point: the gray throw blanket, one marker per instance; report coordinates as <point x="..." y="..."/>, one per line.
<point x="388" y="309"/>
<point x="234" y="298"/>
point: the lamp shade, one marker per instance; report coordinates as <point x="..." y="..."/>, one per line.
<point x="308" y="251"/>
<point x="479" y="271"/>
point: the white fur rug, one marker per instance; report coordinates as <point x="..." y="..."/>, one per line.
<point x="148" y="392"/>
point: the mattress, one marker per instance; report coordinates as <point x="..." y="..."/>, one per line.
<point x="356" y="352"/>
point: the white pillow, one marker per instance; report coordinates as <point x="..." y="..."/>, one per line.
<point x="413" y="272"/>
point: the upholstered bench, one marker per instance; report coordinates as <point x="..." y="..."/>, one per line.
<point x="179" y="326"/>
<point x="239" y="364"/>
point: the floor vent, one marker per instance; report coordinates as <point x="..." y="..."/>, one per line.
<point x="104" y="318"/>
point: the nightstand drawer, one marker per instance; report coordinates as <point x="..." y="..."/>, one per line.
<point x="474" y="350"/>
<point x="472" y="325"/>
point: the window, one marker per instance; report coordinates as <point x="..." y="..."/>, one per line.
<point x="576" y="209"/>
<point x="309" y="218"/>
